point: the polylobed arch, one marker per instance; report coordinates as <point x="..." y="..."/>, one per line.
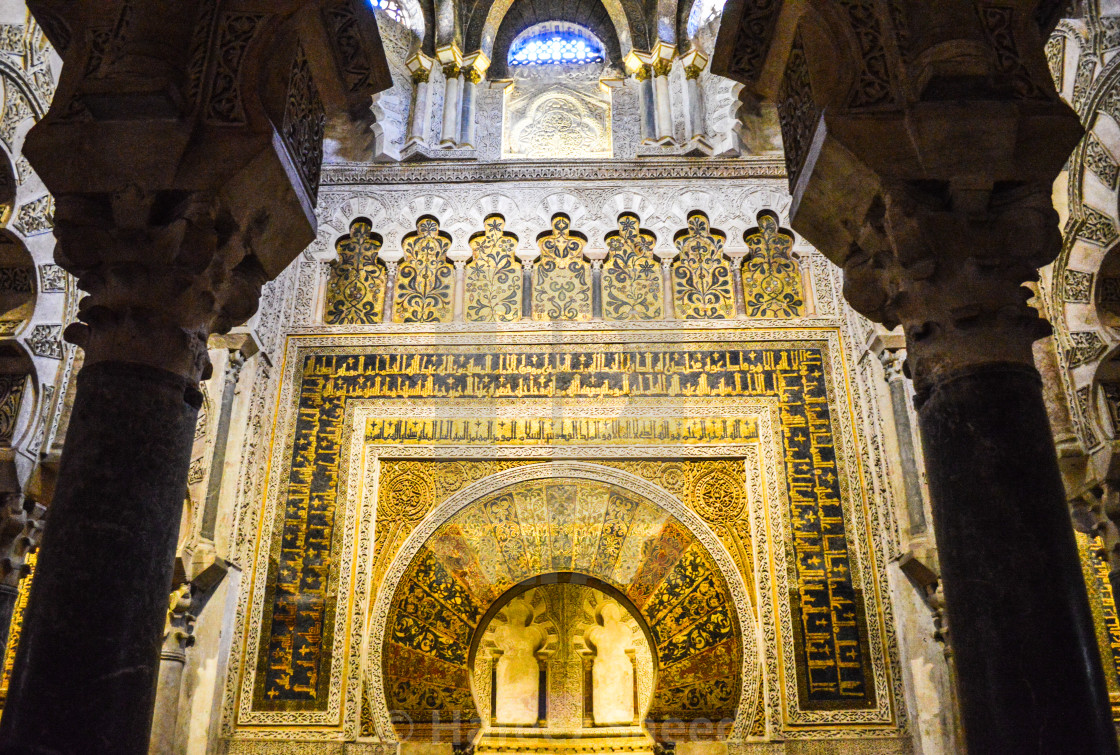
<point x="666" y="562"/>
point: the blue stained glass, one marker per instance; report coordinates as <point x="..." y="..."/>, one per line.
<point x="556" y="46"/>
<point x="391" y="7"/>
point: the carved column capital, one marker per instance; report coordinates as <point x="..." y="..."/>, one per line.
<point x="183" y="177"/>
<point x="178" y="632"/>
<point x="162" y="270"/>
<point x="921" y="161"/>
<point x="953" y="275"/>
<point x="892" y="362"/>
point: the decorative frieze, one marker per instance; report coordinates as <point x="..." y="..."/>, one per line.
<point x="52" y="278"/>
<point x="1086" y="347"/>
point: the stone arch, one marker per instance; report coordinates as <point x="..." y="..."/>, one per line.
<point x="672" y="541"/>
<point x="619" y="24"/>
<point x="17" y="284"/>
<point x="19" y="393"/>
<point x="1086" y="275"/>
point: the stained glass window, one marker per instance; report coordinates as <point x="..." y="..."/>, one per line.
<point x="703" y="13"/>
<point x="555" y="43"/>
<point x="392" y="8"/>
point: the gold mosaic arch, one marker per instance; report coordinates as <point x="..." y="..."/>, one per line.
<point x="562" y="517"/>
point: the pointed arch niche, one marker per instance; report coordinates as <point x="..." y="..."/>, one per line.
<point x="510" y="531"/>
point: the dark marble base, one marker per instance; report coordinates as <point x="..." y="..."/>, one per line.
<point x="1030" y="676"/>
<point x="85" y="673"/>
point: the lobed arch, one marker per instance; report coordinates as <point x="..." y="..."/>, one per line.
<point x="1086" y="274"/>
<point x="673" y="545"/>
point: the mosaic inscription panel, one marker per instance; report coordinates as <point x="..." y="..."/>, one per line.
<point x="294" y="659"/>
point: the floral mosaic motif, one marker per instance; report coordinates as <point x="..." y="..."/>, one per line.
<point x="632" y="279"/>
<point x="561" y="525"/>
<point x="561" y="277"/>
<point x="1086" y="346"/>
<point x="356" y="290"/>
<point x="425" y="280"/>
<point x="493" y="276"/>
<point x="11" y="395"/>
<point x="1076" y="286"/>
<point x="702" y="286"/>
<point x="1097" y="227"/>
<point x="772" y="284"/>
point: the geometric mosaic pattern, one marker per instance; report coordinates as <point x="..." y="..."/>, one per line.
<point x="832" y="660"/>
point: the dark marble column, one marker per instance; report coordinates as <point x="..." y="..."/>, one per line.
<point x="117" y="506"/>
<point x="171" y="227"/>
<point x="1029" y="674"/>
<point x="929" y="179"/>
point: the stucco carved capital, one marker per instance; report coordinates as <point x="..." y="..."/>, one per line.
<point x="950" y="270"/>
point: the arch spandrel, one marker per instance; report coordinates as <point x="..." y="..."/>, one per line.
<point x="544" y="519"/>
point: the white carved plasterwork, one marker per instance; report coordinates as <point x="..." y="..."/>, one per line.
<point x="771" y="640"/>
<point x="550" y="120"/>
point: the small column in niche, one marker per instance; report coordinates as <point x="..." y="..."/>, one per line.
<point x="474" y="71"/>
<point x="420" y="66"/>
<point x="452" y="61"/>
<point x="517" y="670"/>
<point x="612" y="669"/>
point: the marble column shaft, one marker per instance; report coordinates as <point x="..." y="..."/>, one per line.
<point x="170" y="227"/>
<point x="102" y="524"/>
<point x="421" y="119"/>
<point x="452" y="106"/>
<point x="929" y="181"/>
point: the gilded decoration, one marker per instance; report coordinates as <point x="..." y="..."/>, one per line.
<point x="632" y="280"/>
<point x="11" y="397"/>
<point x="771" y="276"/>
<point x="356" y="289"/>
<point x="16" y="626"/>
<point x="828" y="640"/>
<point x="552" y="526"/>
<point x="561" y="277"/>
<point x="493" y="275"/>
<point x="425" y="279"/>
<point x="702" y="287"/>
<point x="1105" y="617"/>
